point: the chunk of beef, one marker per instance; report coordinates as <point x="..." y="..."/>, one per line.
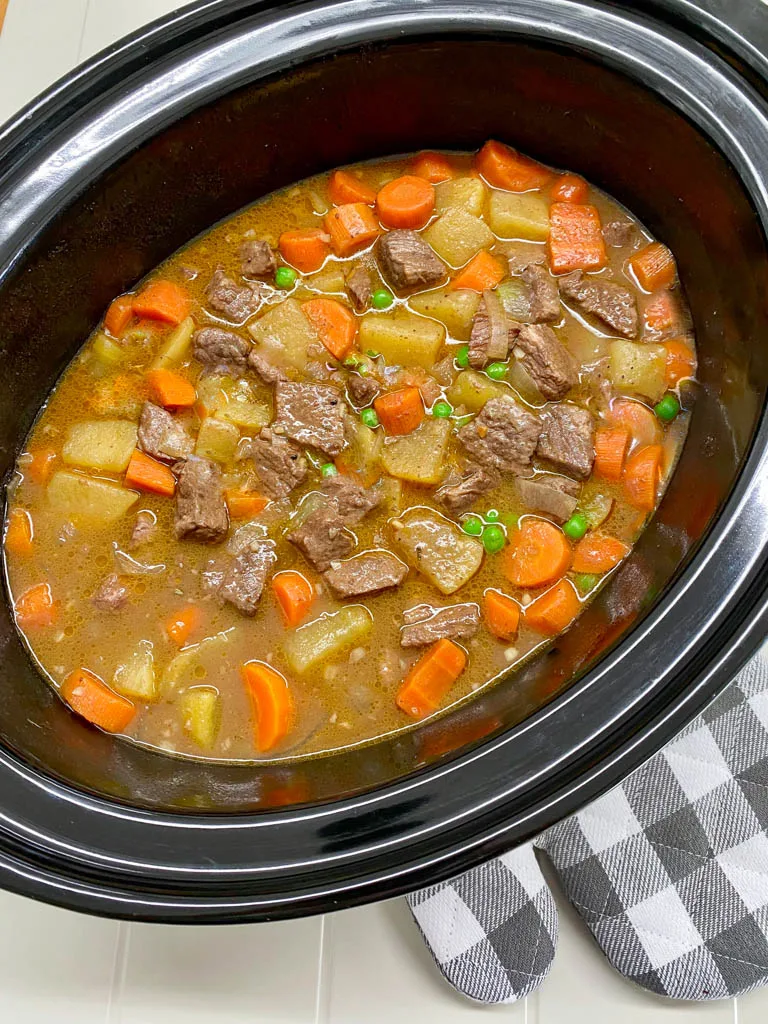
<point x="611" y="303"/>
<point x="490" y="336"/>
<point x="362" y="390"/>
<point x="269" y="372"/>
<point x="524" y="254"/>
<point x="236" y="302"/>
<point x="352" y="501"/>
<point x="425" y="624"/>
<point x="557" y="496"/>
<point x="218" y="349"/>
<point x="143" y="528"/>
<point x="243" y="579"/>
<point x="502" y="436"/>
<point x="257" y="258"/>
<point x="548" y="363"/>
<point x="568" y="439"/>
<point x="161" y="435"/>
<point x="201" y="512"/>
<point x="311" y="414"/>
<point x="407" y="261"/>
<point x="322" y="537"/>
<point x="111" y="594"/>
<point x="277" y="461"/>
<point x="359" y="288"/>
<point x="461" y="490"/>
<point x="543" y="294"/>
<point x="618" y="232"/>
<point x="366" y="573"/>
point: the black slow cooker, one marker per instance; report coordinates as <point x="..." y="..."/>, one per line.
<point x="205" y="111"/>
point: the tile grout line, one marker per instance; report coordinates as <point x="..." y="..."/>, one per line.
<point x="119" y="970"/>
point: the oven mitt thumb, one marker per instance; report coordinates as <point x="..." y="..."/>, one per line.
<point x="669" y="871"/>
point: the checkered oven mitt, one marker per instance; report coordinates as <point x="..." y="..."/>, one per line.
<point x="669" y="871"/>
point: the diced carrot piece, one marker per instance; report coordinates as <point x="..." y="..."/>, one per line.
<point x="681" y="361"/>
<point x="162" y="300"/>
<point x="611" y="447"/>
<point x="93" y="700"/>
<point x="244" y="504"/>
<point x="598" y="553"/>
<point x="406" y="202"/>
<point x="641" y="477"/>
<point x="295" y="596"/>
<point x="575" y="238"/>
<point x="505" y="168"/>
<point x="570" y="188"/>
<point x="335" y="324"/>
<point x="18" y="535"/>
<point x="538" y="553"/>
<point x="171" y="390"/>
<point x="662" y="312"/>
<point x="344" y="187"/>
<point x="149" y="475"/>
<point x="433" y="167"/>
<point x="119" y="315"/>
<point x="305" y="250"/>
<point x="183" y="623"/>
<point x="555" y="610"/>
<point x="36" y="607"/>
<point x="400" y="411"/>
<point x="482" y="273"/>
<point x="637" y="419"/>
<point x="502" y="614"/>
<point x="352" y="227"/>
<point x="654" y="267"/>
<point x="271" y="702"/>
<point x="38" y="465"/>
<point x="430" y="679"/>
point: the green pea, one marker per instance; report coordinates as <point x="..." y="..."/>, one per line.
<point x="369" y="418"/>
<point x="576" y="526"/>
<point x="496" y="371"/>
<point x="328" y="469"/>
<point x="472" y="526"/>
<point x="492" y="516"/>
<point x="462" y="356"/>
<point x="494" y="539"/>
<point x="442" y="410"/>
<point x="285" y="277"/>
<point x="382" y="298"/>
<point x="668" y="408"/>
<point x="585" y="581"/>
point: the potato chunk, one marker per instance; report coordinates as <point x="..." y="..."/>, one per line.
<point x="419" y="456"/>
<point x="175" y="346"/>
<point x="100" y="444"/>
<point x="638" y="367"/>
<point x="217" y="440"/>
<point x="457" y="236"/>
<point x="472" y="390"/>
<point x="454" y="309"/>
<point x="524" y="215"/>
<point x="438" y="549"/>
<point x="82" y="497"/>
<point x="364" y="451"/>
<point x="461" y="193"/>
<point x="285" y="332"/>
<point x="201" y="715"/>
<point x="326" y="637"/>
<point x="135" y="677"/>
<point x="403" y="338"/>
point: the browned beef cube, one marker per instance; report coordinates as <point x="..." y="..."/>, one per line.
<point x="407" y="261"/>
<point x="425" y="624"/>
<point x="161" y="435"/>
<point x="359" y="288"/>
<point x="543" y="294"/>
<point x="235" y="302"/>
<point x="278" y="462"/>
<point x="311" y="414"/>
<point x="352" y="501"/>
<point x="568" y="439"/>
<point x="269" y="372"/>
<point x="322" y="537"/>
<point x="201" y="512"/>
<point x="460" y="491"/>
<point x="362" y="390"/>
<point x="502" y="436"/>
<point x="556" y="496"/>
<point x="618" y="232"/>
<point x="243" y="579"/>
<point x="111" y="594"/>
<point x="257" y="258"/>
<point x="143" y="528"/>
<point x="366" y="574"/>
<point x="548" y="363"/>
<point x="490" y="336"/>
<point x="221" y="350"/>
<point x="611" y="303"/>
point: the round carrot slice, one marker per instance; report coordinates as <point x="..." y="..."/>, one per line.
<point x="406" y="202"/>
<point x="538" y="554"/>
<point x="637" y="419"/>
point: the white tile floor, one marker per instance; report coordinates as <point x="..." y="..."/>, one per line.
<point x="365" y="966"/>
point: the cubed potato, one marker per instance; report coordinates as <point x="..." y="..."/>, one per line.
<point x="638" y="368"/>
<point x="217" y="440"/>
<point x="454" y="309"/>
<point x="85" y="498"/>
<point x="201" y="715"/>
<point x="203" y="658"/>
<point x="330" y="279"/>
<point x="402" y="338"/>
<point x="364" y="451"/>
<point x="418" y="457"/>
<point x="135" y="677"/>
<point x="107" y="351"/>
<point x="392" y="495"/>
<point x="285" y="332"/>
<point x="461" y="193"/>
<point x="519" y="215"/>
<point x="326" y="637"/>
<point x="175" y="346"/>
<point x="232" y="400"/>
<point x="247" y="416"/>
<point x="457" y="236"/>
<point x="472" y="390"/>
<point x="100" y="444"/>
<point x="438" y="549"/>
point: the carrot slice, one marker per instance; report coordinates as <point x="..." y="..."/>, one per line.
<point x="335" y="325"/>
<point x="637" y="419"/>
<point x="39" y="465"/>
<point x="575" y="238"/>
<point x="598" y="553"/>
<point x="295" y="596"/>
<point x="400" y="411"/>
<point x="433" y="167"/>
<point x="502" y="614"/>
<point x="18" y="535"/>
<point x="93" y="700"/>
<point x="304" y="250"/>
<point x="505" y="168"/>
<point x="271" y="702"/>
<point x="149" y="475"/>
<point x="662" y="312"/>
<point x="352" y="227"/>
<point x="344" y="187"/>
<point x="430" y="679"/>
<point x="681" y="361"/>
<point x="244" y="504"/>
<point x="162" y="300"/>
<point x="183" y="623"/>
<point x="171" y="390"/>
<point x="641" y="476"/>
<point x="119" y="315"/>
<point x="36" y="607"/>
<point x="555" y="610"/>
<point x="570" y="188"/>
<point x="654" y="267"/>
<point x="482" y="273"/>
<point x="406" y="202"/>
<point x="539" y="553"/>
<point x="611" y="447"/>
